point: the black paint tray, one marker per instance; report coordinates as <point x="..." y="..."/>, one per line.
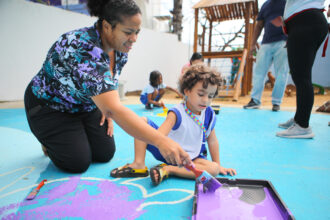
<point x="240" y="199"/>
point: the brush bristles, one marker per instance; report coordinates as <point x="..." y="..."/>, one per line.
<point x="210" y="183"/>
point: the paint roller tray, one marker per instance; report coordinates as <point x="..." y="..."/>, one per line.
<point x="240" y="199"/>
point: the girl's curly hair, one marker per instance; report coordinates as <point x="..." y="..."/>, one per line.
<point x="112" y="11"/>
<point x="199" y="73"/>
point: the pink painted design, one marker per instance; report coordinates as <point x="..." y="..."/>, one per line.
<point x="76" y="198"/>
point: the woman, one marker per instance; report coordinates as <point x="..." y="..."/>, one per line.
<point x="64" y="102"/>
<point x="307" y="28"/>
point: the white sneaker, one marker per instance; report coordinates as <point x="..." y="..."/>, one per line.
<point x="295" y="131"/>
<point x="287" y="124"/>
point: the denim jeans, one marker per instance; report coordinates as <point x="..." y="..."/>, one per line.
<point x="270" y="53"/>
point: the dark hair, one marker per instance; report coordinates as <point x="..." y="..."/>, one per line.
<point x="153" y="78"/>
<point x="112" y="11"/>
<point x="196" y="56"/>
<point x="197" y="73"/>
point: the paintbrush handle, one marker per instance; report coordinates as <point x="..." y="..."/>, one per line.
<point x="34" y="192"/>
<point x="41" y="184"/>
<point x="192" y="168"/>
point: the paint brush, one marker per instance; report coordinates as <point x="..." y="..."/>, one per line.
<point x="34" y="192"/>
<point x="210" y="183"/>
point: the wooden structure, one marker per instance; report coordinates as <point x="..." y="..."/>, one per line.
<point x="226" y="10"/>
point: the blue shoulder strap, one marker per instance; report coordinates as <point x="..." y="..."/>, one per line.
<point x="209" y="114"/>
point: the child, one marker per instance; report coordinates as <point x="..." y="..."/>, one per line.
<point x="196" y="58"/>
<point x="153" y="92"/>
<point x="191" y="124"/>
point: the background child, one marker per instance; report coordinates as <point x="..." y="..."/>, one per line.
<point x="153" y="92"/>
<point x="196" y="58"/>
<point x="191" y="124"/>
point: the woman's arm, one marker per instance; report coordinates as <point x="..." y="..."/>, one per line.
<point x="110" y="105"/>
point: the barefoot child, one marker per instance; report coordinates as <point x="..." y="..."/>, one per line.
<point x="191" y="124"/>
<point x="154" y="91"/>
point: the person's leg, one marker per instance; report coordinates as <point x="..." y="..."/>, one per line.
<point x="161" y="92"/>
<point x="200" y="163"/>
<point x="154" y="94"/>
<point x="281" y="68"/>
<point x="62" y="134"/>
<point x="264" y="60"/>
<point x="137" y="168"/>
<point x="140" y="148"/>
<point x="102" y="146"/>
<point x="306" y="33"/>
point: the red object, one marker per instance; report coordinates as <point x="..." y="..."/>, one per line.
<point x="34" y="192"/>
<point x="325" y="46"/>
<point x="196" y="171"/>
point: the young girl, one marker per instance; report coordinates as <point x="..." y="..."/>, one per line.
<point x="191" y="124"/>
<point x="153" y="92"/>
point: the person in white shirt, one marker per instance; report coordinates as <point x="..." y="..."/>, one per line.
<point x="306" y="27"/>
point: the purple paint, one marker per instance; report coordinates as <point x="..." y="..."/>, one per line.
<point x="224" y="203"/>
<point x="72" y="199"/>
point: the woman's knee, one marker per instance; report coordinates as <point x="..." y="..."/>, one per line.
<point x="105" y="156"/>
<point x="103" y="151"/>
<point x="78" y="165"/>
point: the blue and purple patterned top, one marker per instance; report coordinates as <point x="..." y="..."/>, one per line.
<point x="76" y="68"/>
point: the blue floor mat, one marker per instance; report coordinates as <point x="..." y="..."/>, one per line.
<point x="298" y="169"/>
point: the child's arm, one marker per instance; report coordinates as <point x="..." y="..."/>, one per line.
<point x="168" y="124"/>
<point x="213" y="145"/>
<point x="174" y="90"/>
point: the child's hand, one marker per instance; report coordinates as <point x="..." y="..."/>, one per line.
<point x="226" y="171"/>
<point x="161" y="104"/>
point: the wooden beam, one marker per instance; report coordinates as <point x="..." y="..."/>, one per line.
<point x="247" y="41"/>
<point x="203" y="38"/>
<point x="196" y="30"/>
<point x="224" y="54"/>
<point x="239" y="76"/>
<point x="210" y="36"/>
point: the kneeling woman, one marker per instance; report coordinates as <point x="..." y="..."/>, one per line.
<point x="67" y="102"/>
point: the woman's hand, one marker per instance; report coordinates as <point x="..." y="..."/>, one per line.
<point x="226" y="171"/>
<point x="173" y="153"/>
<point x="110" y="125"/>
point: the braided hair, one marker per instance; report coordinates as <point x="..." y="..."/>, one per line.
<point x="112" y="11"/>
